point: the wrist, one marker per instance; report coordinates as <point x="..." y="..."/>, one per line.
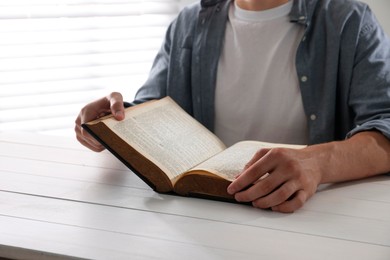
<point x="325" y="161"/>
<point x="363" y="155"/>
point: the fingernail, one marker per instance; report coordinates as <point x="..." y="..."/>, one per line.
<point x="119" y="114"/>
<point x="230" y="190"/>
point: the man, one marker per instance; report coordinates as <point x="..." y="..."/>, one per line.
<point x="313" y="72"/>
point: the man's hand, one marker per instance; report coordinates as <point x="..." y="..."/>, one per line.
<point x="284" y="179"/>
<point x="112" y="103"/>
<point x="279" y="178"/>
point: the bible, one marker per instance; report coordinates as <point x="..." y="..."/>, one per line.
<point x="172" y="152"/>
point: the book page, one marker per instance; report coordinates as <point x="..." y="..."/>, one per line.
<point x="167" y="135"/>
<point x="232" y="161"/>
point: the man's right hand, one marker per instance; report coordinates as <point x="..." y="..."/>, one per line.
<point x="113" y="103"/>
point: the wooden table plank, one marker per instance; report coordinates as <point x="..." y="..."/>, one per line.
<point x="60" y="155"/>
<point x="66" y="171"/>
<point x="30" y="138"/>
<point x="59" y="241"/>
<point x="369" y="223"/>
<point x="103" y="229"/>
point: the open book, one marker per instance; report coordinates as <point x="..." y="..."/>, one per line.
<point x="172" y="152"/>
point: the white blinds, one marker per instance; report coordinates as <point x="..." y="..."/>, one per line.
<point x="58" y="55"/>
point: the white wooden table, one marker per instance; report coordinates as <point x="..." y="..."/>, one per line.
<point x="59" y="200"/>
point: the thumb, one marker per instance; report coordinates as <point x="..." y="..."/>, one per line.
<point x="116" y="105"/>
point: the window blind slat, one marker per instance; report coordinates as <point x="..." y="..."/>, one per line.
<point x="83" y="23"/>
<point x="27" y="38"/>
<point x="42" y="50"/>
<point x="69" y="61"/>
<point x="13" y="77"/>
<point x="117" y="83"/>
<point x="75" y="2"/>
<point x="45" y="100"/>
<point x="50" y="11"/>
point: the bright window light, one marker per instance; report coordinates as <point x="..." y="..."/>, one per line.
<point x="58" y="55"/>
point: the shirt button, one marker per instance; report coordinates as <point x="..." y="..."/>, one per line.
<point x="301" y="18"/>
<point x="303" y="78"/>
<point x="304" y="38"/>
<point x="313" y="117"/>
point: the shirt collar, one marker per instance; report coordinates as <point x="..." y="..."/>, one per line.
<point x="301" y="11"/>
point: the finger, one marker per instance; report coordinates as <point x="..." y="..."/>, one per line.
<point x="258" y="169"/>
<point x="293" y="204"/>
<point x="261" y="188"/>
<point x="277" y="196"/>
<point x="116" y="105"/>
<point x="258" y="155"/>
<point x="85" y="138"/>
<point x="90" y="144"/>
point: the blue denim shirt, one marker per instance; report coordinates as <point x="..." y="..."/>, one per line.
<point x="343" y="64"/>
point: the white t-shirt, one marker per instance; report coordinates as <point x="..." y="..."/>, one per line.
<point x="257" y="91"/>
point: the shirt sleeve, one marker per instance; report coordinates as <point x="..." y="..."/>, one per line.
<point x="156" y="84"/>
<point x="370" y="91"/>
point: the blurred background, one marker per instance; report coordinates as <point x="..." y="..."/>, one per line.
<point x="58" y="55"/>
